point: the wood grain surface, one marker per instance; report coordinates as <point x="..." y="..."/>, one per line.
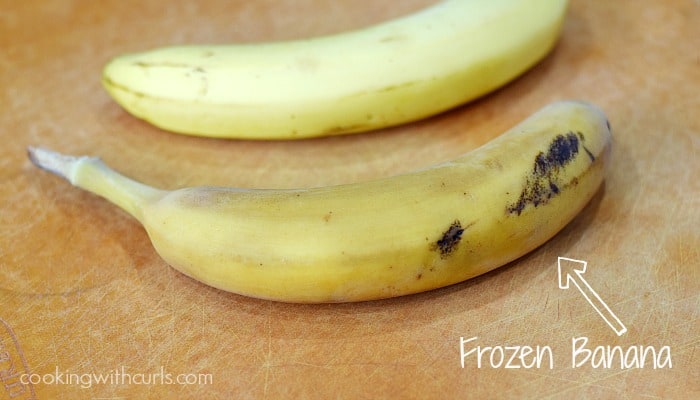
<point x="83" y="292"/>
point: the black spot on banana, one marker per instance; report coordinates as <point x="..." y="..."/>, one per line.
<point x="543" y="183"/>
<point x="449" y="240"/>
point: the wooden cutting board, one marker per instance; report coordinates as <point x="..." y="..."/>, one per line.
<point x="83" y="294"/>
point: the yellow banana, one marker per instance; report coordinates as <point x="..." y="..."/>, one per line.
<point x="377" y="239"/>
<point x="391" y="73"/>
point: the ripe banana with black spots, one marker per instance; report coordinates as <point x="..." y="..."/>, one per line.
<point x="391" y="73"/>
<point x="376" y="239"/>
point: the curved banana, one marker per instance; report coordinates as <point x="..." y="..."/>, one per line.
<point x="388" y="237"/>
<point x="391" y="73"/>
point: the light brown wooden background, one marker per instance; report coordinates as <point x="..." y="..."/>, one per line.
<point x="82" y="291"/>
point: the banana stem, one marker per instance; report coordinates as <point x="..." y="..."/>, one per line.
<point x="91" y="174"/>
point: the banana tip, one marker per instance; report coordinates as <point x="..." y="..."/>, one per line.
<point x="52" y="161"/>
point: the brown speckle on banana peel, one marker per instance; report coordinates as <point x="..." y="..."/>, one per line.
<point x="339" y="129"/>
<point x="541" y="185"/>
<point x="583" y="139"/>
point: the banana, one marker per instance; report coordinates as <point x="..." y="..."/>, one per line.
<point x="376" y="239"/>
<point x="395" y="72"/>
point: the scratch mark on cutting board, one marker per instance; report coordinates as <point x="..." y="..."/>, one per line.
<point x="108" y="398"/>
<point x="267" y="363"/>
<point x="12" y="362"/>
<point x="539" y="379"/>
<point x="557" y="309"/>
<point x="577" y="385"/>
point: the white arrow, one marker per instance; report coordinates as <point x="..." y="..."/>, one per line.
<point x="571" y="270"/>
